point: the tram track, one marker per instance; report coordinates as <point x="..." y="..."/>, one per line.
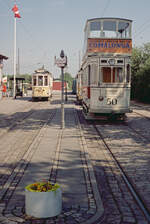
<point x="13" y="156"/>
<point x="11" y="120"/>
<point x="17" y="172"/>
<point x="132" y="187"/>
<point x="127" y="180"/>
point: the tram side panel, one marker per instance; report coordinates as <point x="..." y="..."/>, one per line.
<point x="109" y="100"/>
<point x="79" y="88"/>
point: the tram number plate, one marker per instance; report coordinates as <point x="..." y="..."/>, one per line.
<point x="111" y="101"/>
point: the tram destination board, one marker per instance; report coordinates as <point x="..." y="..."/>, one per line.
<point x="109" y="46"/>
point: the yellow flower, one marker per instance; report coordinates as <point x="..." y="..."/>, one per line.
<point x="42" y="187"/>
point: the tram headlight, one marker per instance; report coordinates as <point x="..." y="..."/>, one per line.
<point x="101" y="98"/>
<point x="111" y="61"/>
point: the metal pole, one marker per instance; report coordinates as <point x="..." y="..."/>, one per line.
<point x="14" y="94"/>
<point x="66" y="98"/>
<point x="62" y="100"/>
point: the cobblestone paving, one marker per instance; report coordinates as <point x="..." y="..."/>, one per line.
<point x="25" y="142"/>
<point x="118" y="203"/>
<point x="17" y="110"/>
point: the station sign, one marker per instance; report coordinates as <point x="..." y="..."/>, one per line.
<point x="61" y="62"/>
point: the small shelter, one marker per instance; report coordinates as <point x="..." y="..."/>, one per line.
<point x="19" y="86"/>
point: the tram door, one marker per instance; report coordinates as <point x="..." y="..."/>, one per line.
<point x="89" y="80"/>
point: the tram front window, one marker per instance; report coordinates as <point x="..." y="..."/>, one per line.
<point x="123" y="30"/>
<point x="34" y="81"/>
<point x="109" y="28"/>
<point x="95" y="29"/>
<point x="114" y="75"/>
<point x="45" y="81"/>
<point x="117" y="75"/>
<point x="40" y="81"/>
<point x="106" y="74"/>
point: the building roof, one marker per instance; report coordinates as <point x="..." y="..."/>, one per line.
<point x="18" y="78"/>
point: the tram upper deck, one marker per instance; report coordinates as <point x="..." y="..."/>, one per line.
<point x="108" y="36"/>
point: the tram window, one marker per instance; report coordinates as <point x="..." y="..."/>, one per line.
<point x="103" y="61"/>
<point x="94" y="74"/>
<point x="106" y="74"/>
<point x="84" y="80"/>
<point x="120" y="61"/>
<point x="40" y="80"/>
<point x="34" y="81"/>
<point x="109" y="28"/>
<point x="95" y="28"/>
<point x="117" y="74"/>
<point x="45" y="81"/>
<point x="128" y="73"/>
<point x="123" y="30"/>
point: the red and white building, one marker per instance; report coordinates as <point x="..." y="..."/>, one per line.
<point x="57" y="85"/>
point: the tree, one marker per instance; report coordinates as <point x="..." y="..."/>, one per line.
<point x="68" y="78"/>
<point x="140" y="67"/>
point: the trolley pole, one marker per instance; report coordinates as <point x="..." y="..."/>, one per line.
<point x="62" y="62"/>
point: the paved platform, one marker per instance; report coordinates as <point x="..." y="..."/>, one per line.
<point x="61" y="156"/>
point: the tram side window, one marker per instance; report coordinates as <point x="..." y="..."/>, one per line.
<point x="123" y="30"/>
<point x="117" y="74"/>
<point x="40" y="81"/>
<point x="106" y="74"/>
<point x="94" y="74"/>
<point x="109" y="28"/>
<point x="34" y="81"/>
<point x="128" y="73"/>
<point x="84" y="80"/>
<point x="45" y="81"/>
<point x="95" y="28"/>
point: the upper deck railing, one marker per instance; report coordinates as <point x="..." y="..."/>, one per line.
<point x="112" y="35"/>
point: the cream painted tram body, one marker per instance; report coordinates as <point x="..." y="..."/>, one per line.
<point x="42" y="82"/>
<point x="105" y="75"/>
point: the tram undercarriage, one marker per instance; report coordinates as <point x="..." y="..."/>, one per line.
<point x="110" y="116"/>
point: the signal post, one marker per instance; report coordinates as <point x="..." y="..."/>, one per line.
<point x="62" y="63"/>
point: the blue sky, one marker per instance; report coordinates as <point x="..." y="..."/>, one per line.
<point x="48" y="26"/>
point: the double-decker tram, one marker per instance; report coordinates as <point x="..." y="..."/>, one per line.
<point x="105" y="73"/>
<point x="42" y="82"/>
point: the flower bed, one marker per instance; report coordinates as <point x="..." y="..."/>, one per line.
<point x="42" y="187"/>
<point x="43" y="200"/>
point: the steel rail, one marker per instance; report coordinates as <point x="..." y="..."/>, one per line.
<point x="127" y="181"/>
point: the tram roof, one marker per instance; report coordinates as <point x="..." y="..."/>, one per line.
<point x="107" y="18"/>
